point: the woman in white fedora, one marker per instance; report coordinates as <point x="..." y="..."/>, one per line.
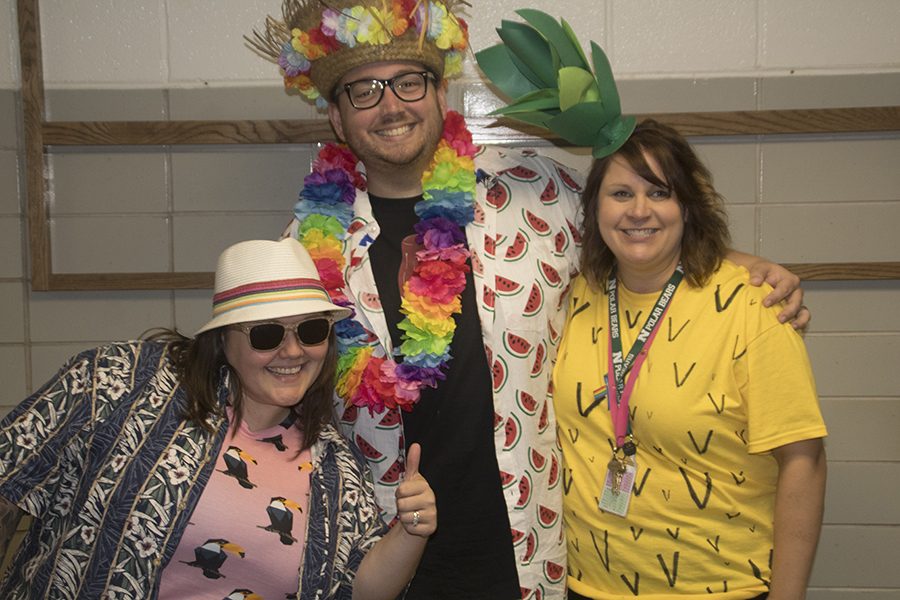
<point x="206" y="467"/>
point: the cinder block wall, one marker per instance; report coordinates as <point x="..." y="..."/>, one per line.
<point x="793" y="199"/>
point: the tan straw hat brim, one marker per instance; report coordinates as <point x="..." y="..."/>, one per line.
<point x="327" y="71"/>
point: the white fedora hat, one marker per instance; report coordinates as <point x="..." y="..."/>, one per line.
<point x="261" y="279"/>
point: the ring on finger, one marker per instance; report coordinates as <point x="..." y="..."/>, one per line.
<point x="415" y="520"/>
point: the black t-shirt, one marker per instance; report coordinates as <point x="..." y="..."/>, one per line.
<point x="470" y="555"/>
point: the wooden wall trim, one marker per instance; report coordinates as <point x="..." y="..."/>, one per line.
<point x="41" y="134"/>
<point x="33" y="109"/>
<point x="484" y="130"/>
<point x="859" y="271"/>
<point x="851" y="271"/>
<point x="131" y="281"/>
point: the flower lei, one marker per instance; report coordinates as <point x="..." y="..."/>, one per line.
<point x="374" y="26"/>
<point x="430" y="297"/>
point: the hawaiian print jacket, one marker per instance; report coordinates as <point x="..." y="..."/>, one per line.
<point x="111" y="473"/>
<point x="524" y="242"/>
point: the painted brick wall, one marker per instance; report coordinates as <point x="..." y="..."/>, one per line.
<point x="797" y="199"/>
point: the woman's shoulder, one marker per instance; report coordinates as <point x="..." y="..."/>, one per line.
<point x="130" y="355"/>
<point x="732" y="275"/>
<point x="582" y="288"/>
<point x="118" y="355"/>
<point x="730" y="286"/>
<point x="133" y="347"/>
<point x="98" y="380"/>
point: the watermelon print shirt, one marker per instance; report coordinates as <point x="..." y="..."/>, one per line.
<point x="525" y="243"/>
<point x="111" y="473"/>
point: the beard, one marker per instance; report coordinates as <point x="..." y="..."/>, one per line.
<point x="409" y="158"/>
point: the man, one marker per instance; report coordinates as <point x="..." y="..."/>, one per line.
<point x="456" y="261"/>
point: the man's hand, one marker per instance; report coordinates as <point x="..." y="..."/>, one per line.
<point x="786" y="287"/>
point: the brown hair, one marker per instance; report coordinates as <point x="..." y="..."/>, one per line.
<point x="705" y="239"/>
<point x="199" y="362"/>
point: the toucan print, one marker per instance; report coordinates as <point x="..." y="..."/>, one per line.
<point x="211" y="555"/>
<point x="277" y="441"/>
<point x="243" y="594"/>
<point x="281" y="519"/>
<point x="236" y="463"/>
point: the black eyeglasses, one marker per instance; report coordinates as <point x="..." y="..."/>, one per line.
<point x="367" y="93"/>
<point x="270" y="335"/>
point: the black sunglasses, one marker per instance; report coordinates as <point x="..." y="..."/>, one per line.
<point x="270" y="335"/>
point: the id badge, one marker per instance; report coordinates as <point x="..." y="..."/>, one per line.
<point x="614" y="500"/>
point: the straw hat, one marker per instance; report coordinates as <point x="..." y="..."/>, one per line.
<point x="316" y="42"/>
<point x="262" y="279"/>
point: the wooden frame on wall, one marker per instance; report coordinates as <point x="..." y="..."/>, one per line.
<point x="41" y="134"/>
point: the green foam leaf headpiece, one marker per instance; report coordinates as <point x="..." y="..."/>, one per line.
<point x="541" y="66"/>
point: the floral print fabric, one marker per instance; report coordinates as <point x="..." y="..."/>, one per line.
<point x="102" y="459"/>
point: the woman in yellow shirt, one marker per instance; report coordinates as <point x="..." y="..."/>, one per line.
<point x="687" y="414"/>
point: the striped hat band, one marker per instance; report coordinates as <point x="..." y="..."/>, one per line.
<point x="267" y="292"/>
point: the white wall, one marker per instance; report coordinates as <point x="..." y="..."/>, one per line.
<point x="794" y="199"/>
<point x="139" y="43"/>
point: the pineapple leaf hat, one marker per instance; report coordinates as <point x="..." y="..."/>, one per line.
<point x="540" y="65"/>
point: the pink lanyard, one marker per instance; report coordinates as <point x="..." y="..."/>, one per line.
<point x="620" y="391"/>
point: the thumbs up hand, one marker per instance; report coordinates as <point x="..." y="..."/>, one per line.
<point x="416" y="507"/>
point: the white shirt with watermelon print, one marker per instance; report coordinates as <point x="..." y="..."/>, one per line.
<point x="525" y="244"/>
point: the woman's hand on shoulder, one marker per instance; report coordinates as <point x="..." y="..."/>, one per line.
<point x="416" y="506"/>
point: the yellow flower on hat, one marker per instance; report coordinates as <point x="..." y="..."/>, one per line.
<point x="349" y="25"/>
<point x="458" y="38"/>
<point x="453" y="64"/>
<point x="450" y="32"/>
<point x="302" y="43"/>
<point x="301" y="82"/>
<point x="375" y="27"/>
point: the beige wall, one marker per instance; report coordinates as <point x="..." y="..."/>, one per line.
<point x="794" y="199"/>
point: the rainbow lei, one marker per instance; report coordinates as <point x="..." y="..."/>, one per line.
<point x="431" y="296"/>
<point x="372" y="25"/>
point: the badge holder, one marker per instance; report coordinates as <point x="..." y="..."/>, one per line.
<point x="620" y="476"/>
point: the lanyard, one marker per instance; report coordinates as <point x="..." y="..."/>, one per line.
<point x="630" y="365"/>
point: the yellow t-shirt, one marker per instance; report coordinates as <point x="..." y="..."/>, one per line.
<point x="722" y="385"/>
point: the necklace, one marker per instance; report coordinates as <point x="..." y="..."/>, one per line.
<point x="430" y="297"/>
